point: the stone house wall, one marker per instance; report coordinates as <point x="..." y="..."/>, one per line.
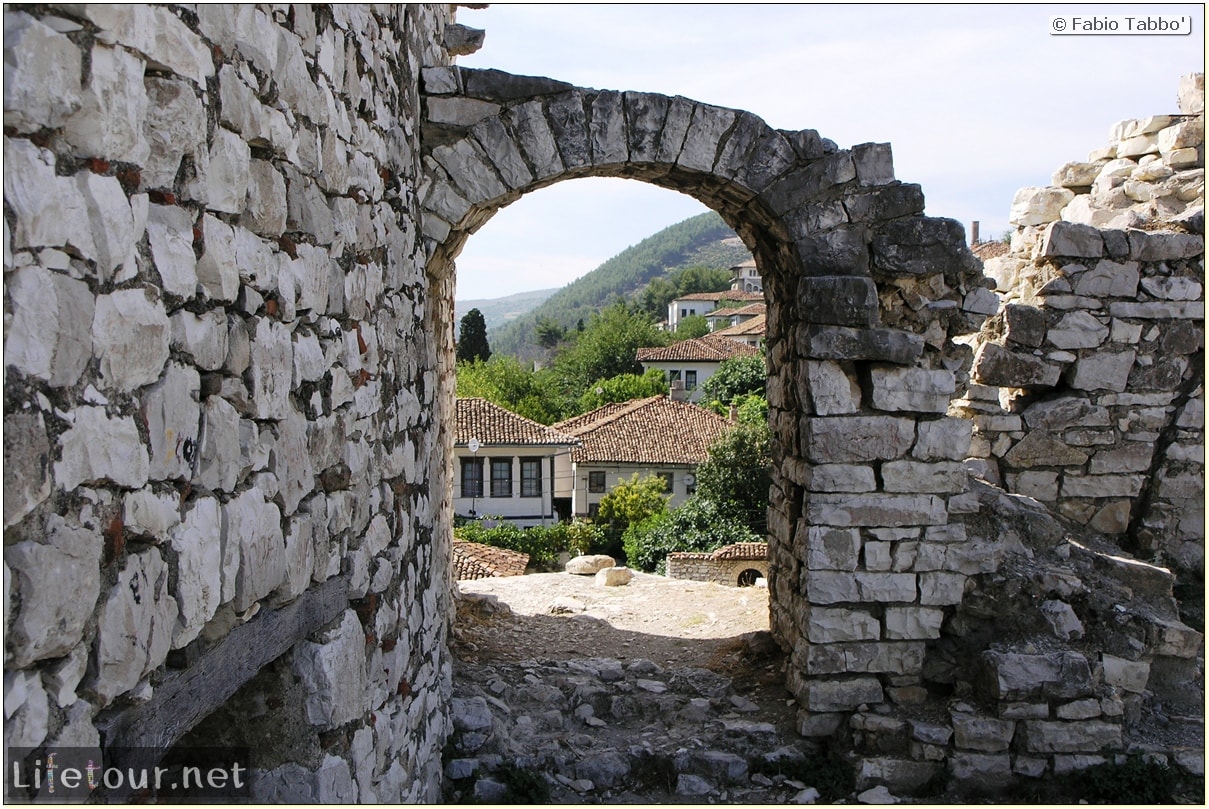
<point x="223" y="417"/>
<point x="1089" y="391"/>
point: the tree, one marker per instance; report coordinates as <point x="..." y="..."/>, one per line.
<point x="607" y="347"/>
<point x="622" y="389"/>
<point x="737" y="474"/>
<point x="472" y="338"/>
<point x="504" y="381"/>
<point x="692" y="326"/>
<point x="549" y="332"/>
<point x="633" y="501"/>
<point x="698" y="525"/>
<point x="735" y="377"/>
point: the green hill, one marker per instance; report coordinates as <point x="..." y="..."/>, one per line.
<point x="498" y="311"/>
<point x="703" y="240"/>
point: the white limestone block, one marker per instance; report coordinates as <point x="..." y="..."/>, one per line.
<point x="130" y="337"/>
<point x="170" y="232"/>
<point x="48" y="625"/>
<point x="134" y="627"/>
<point x="173" y="417"/>
<point x="43" y="70"/>
<point x="50" y="333"/>
<point x="156" y="33"/>
<point x="332" y="673"/>
<point x="109" y="122"/>
<point x="203" y="336"/>
<point x="227" y="176"/>
<point x="217" y="269"/>
<point x="174" y="126"/>
<point x="219" y="449"/>
<point x="272" y="364"/>
<point x="252" y="533"/>
<point x="1035" y="205"/>
<point x="198" y="588"/>
<point x="97" y="448"/>
<point x="149" y="514"/>
<point x="50" y="210"/>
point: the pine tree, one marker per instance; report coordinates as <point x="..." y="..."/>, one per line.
<point x="472" y="338"/>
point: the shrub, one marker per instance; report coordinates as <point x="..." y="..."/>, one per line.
<point x="699" y="525"/>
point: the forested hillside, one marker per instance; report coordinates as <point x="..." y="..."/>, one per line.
<point x="702" y="241"/>
<point x="498" y="311"/>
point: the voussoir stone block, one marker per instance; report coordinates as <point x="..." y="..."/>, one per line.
<point x="849" y="439"/>
<point x="569" y="125"/>
<point x="704" y="134"/>
<point x="645" y="113"/>
<point x="874" y="510"/>
<point x="607" y="129"/>
<point x="535" y="138"/>
<point x="840" y="343"/>
<point x="912" y="389"/>
<point x="838" y="300"/>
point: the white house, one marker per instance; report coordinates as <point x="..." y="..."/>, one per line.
<point x="751" y="331"/>
<point x="505" y="465"/>
<point x="656" y="435"/>
<point x="723" y="318"/>
<point x="693" y="361"/>
<point x="746" y="278"/>
<point x="702" y="303"/>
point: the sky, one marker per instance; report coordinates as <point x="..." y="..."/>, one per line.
<point x="977" y="101"/>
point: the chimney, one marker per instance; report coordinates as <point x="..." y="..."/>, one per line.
<point x="734" y="414"/>
<point x="678" y="393"/>
<point x="974" y="232"/>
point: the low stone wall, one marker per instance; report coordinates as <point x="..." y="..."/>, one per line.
<point x="1090" y="379"/>
<point x="225" y="464"/>
<point x="704" y="567"/>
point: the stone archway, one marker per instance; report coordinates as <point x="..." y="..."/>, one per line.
<point x="865" y="296"/>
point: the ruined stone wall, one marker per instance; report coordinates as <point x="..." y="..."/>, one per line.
<point x="1090" y="394"/>
<point x="223" y="436"/>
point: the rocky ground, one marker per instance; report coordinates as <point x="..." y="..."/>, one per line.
<point x="659" y="691"/>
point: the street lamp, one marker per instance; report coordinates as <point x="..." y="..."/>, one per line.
<point x="473" y="445"/>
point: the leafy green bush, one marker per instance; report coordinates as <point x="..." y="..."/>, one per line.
<point x="699" y="525"/>
<point x="542" y="543"/>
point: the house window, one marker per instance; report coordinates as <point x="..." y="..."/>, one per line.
<point x="596" y="482"/>
<point x="668" y="480"/>
<point x="472" y="477"/>
<point x="690" y="380"/>
<point x="501" y="477"/>
<point x="683" y="313"/>
<point x="672" y="376"/>
<point x="531" y="477"/>
<point x="593" y="510"/>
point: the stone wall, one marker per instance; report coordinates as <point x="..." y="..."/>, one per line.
<point x="225" y="430"/>
<point x="1090" y="393"/>
<point x="704" y="567"/>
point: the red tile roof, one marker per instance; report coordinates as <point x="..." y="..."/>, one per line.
<point x="750" y="310"/>
<point x="740" y="551"/>
<point x="492" y="425"/>
<point x="754" y="325"/>
<point x="710" y="348"/>
<point x="474" y="561"/>
<point x="655" y="431"/>
<point x="728" y="295"/>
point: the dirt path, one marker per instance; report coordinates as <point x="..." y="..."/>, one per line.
<point x="560" y="616"/>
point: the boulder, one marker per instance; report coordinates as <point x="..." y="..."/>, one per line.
<point x="589" y="565"/>
<point x="613" y="576"/>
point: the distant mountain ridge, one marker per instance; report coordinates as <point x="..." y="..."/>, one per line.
<point x="703" y="240"/>
<point x="498" y="311"/>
